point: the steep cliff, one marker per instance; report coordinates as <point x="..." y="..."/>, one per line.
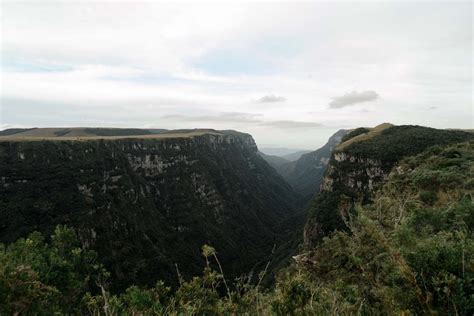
<point x="360" y="165"/>
<point x="148" y="203"/>
<point x="306" y="173"/>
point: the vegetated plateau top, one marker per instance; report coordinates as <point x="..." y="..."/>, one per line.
<point x="93" y="133"/>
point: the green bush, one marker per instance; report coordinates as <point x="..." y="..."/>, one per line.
<point x="44" y="278"/>
<point x="428" y="197"/>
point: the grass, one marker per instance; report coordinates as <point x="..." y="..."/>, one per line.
<point x="171" y="134"/>
<point x="366" y="136"/>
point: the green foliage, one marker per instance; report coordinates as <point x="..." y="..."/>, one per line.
<point x="411" y="249"/>
<point x="354" y="133"/>
<point x="43" y="278"/>
<point x="406" y="253"/>
<point x="145" y="204"/>
<point x="428" y="197"/>
<point x="368" y="162"/>
<point x="140" y="301"/>
<point x="117" y="131"/>
<point x="397" y="142"/>
<point x="12" y="131"/>
<point x="293" y="294"/>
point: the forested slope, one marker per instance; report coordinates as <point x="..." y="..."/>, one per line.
<point x="148" y="204"/>
<point x="362" y="163"/>
<point x="409" y="250"/>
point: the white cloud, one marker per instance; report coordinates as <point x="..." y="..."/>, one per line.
<point x="271" y="98"/>
<point x="352" y="98"/>
<point x="233" y="117"/>
<point x="131" y="64"/>
<point x="292" y="124"/>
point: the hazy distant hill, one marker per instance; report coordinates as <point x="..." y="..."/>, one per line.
<point x="295" y="156"/>
<point x="280" y="151"/>
<point x="305" y="174"/>
<point x="274" y="161"/>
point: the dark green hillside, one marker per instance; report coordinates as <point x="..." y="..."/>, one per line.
<point x="354" y="133"/>
<point x="408" y="252"/>
<point x="12" y="131"/>
<point x="411" y="249"/>
<point x="116" y="131"/>
<point x="54" y="132"/>
<point x="357" y="168"/>
<point x="396" y="142"/>
<point x="147" y="204"/>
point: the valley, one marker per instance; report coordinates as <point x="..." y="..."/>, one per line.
<point x="167" y="220"/>
<point x="148" y="203"/>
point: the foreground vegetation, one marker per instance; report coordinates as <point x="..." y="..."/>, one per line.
<point x="409" y="252"/>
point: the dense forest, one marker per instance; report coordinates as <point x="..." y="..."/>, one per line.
<point x="147" y="204"/>
<point x="409" y="250"/>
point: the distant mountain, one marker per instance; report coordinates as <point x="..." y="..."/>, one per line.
<point x="305" y="174"/>
<point x="274" y="161"/>
<point x="295" y="156"/>
<point x="280" y="151"/>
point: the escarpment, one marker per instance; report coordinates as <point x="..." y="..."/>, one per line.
<point x="360" y="165"/>
<point x="362" y="179"/>
<point x="306" y="173"/>
<point x="148" y="204"/>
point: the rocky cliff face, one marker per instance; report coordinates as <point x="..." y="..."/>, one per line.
<point x="146" y="204"/>
<point x="365" y="173"/>
<point x="360" y="165"/>
<point x="306" y="174"/>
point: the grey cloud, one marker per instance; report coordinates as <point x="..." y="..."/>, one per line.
<point x="352" y="98"/>
<point x="271" y="98"/>
<point x="234" y="117"/>
<point x="292" y="124"/>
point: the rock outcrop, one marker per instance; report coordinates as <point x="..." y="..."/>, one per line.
<point x="306" y="174"/>
<point x="360" y="165"/>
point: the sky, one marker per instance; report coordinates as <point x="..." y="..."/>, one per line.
<point x="291" y="74"/>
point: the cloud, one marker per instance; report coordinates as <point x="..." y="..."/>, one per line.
<point x="292" y="124"/>
<point x="352" y="98"/>
<point x="213" y="64"/>
<point x="271" y="98"/>
<point x="230" y="117"/>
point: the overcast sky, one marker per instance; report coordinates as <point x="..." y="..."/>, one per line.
<point x="290" y="74"/>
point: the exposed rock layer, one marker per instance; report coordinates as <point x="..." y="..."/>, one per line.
<point x="148" y="204"/>
<point x="360" y="165"/>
